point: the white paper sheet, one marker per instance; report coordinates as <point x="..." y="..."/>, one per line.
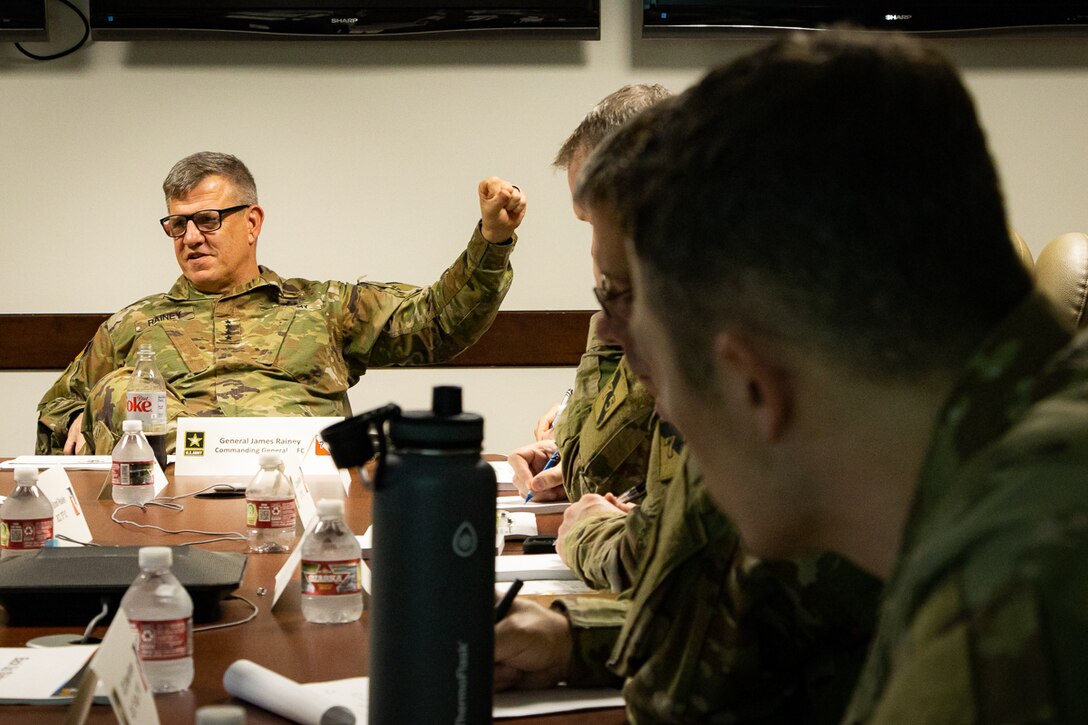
<point x="517" y="503"/>
<point x="82" y="463"/>
<point x="531" y="567"/>
<point x="307" y="704"/>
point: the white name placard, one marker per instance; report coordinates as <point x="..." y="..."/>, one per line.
<point x="230" y="446"/>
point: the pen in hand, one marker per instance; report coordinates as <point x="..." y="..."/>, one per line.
<point x="634" y="494"/>
<point x="551" y="462"/>
<point x="507" y="601"/>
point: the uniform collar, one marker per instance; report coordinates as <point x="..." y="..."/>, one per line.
<point x="183" y="289"/>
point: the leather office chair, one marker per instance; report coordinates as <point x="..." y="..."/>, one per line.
<point x="1022" y="250"/>
<point x="1061" y="273"/>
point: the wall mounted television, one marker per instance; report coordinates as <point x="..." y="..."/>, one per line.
<point x="954" y="17"/>
<point x="22" y="20"/>
<point x="343" y="19"/>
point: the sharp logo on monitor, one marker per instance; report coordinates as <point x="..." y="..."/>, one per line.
<point x="899" y="16"/>
<point x="345" y="21"/>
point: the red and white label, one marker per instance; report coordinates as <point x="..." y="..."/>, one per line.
<point x="149" y="407"/>
<point x="133" y="473"/>
<point x="323" y="578"/>
<point x="267" y="514"/>
<point x="25" y="533"/>
<point x="165" y="639"/>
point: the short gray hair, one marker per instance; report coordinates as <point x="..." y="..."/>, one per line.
<point x="612" y="170"/>
<point x="191" y="170"/>
<point x="610" y="113"/>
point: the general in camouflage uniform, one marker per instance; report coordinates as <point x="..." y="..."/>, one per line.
<point x="985" y="619"/>
<point x="232" y="338"/>
<point x="273" y="346"/>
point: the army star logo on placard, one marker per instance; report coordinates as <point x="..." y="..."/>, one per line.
<point x="194" y="443"/>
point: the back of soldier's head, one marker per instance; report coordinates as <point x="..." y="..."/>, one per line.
<point x="610" y="113"/>
<point x="835" y="190"/>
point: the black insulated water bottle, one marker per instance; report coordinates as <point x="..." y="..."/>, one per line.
<point x="433" y="560"/>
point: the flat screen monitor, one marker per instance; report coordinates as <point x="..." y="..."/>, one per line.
<point x="342" y="19"/>
<point x="22" y="20"/>
<point x="668" y="17"/>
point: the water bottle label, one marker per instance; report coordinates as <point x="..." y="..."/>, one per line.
<point x="25" y="533"/>
<point x="133" y="473"/>
<point x="266" y="514"/>
<point x="331" y="577"/>
<point x="164" y="639"/>
<point x="149" y="407"/>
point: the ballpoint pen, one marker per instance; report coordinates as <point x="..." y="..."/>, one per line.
<point x="562" y="405"/>
<point x="507" y="601"/>
<point x="551" y="462"/>
<point x="634" y="494"/>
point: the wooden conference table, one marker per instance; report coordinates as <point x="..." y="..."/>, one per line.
<point x="281" y="640"/>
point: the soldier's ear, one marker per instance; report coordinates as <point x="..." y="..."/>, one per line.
<point x="254" y="220"/>
<point x="755" y="382"/>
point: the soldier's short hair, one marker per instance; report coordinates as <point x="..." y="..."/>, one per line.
<point x="193" y="169"/>
<point x="833" y="191"/>
<point x="610" y="113"/>
<point x="611" y="170"/>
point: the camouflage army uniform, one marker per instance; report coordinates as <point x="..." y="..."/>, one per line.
<point x="707" y="634"/>
<point x="985" y="617"/>
<point x="273" y="346"/>
<point x="605" y="551"/>
<point x="604" y="434"/>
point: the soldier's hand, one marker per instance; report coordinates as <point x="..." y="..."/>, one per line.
<point x="533" y="647"/>
<point x="548" y="485"/>
<point x="75" y="436"/>
<point x="544" y="426"/>
<point x="502" y="207"/>
<point x="590" y="504"/>
<point x="528" y="461"/>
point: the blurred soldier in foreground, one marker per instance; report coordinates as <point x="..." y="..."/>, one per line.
<point x="831" y="313"/>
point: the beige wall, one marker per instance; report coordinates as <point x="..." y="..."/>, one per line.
<point x="367" y="155"/>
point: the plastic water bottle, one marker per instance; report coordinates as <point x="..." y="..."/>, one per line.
<point x="145" y="401"/>
<point x="270" y="507"/>
<point x="332" y="589"/>
<point x="26" y="516"/>
<point x="133" y="469"/>
<point x="161" y="614"/>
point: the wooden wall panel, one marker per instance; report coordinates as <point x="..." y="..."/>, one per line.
<point x="516" y="339"/>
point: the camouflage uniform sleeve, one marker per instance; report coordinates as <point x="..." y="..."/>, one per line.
<point x="595" y="624"/>
<point x="68" y="395"/>
<point x="397" y="324"/>
<point x="605" y="551"/>
<point x="597" y="365"/>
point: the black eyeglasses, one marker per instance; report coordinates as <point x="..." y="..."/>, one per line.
<point x="206" y="220"/>
<point x="615" y="303"/>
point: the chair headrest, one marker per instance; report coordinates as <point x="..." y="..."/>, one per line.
<point x="1061" y="273"/>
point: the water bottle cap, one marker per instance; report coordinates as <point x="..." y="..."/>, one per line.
<point x="133" y="426"/>
<point x="445" y="427"/>
<point x="270" y="459"/>
<point x="25" y="473"/>
<point x="330" y="507"/>
<point x="221" y="715"/>
<point x="155" y="557"/>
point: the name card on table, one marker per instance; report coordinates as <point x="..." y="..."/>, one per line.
<point x="228" y="447"/>
<point x="68" y="518"/>
<point x="117" y="667"/>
